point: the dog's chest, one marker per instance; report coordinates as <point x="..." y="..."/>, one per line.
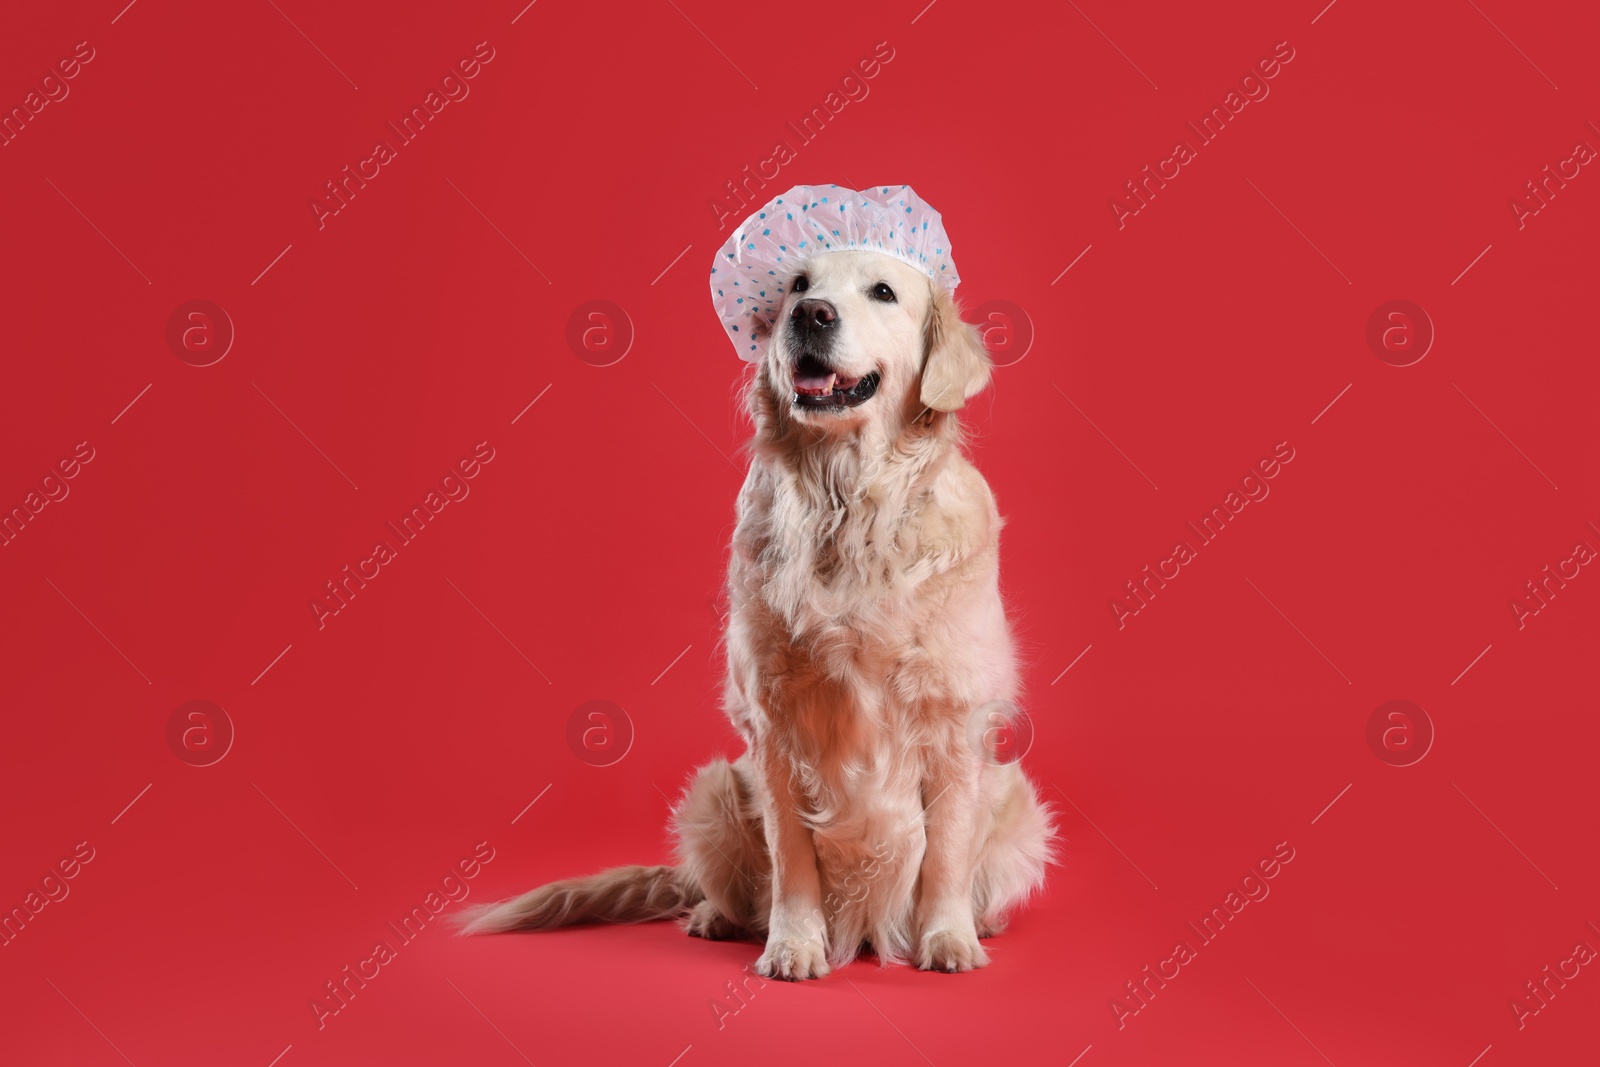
<point x="851" y="589"/>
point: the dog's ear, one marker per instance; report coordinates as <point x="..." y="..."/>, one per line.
<point x="956" y="366"/>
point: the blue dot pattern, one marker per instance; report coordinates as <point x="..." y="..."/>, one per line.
<point x="751" y="271"/>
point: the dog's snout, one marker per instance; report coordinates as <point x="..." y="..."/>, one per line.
<point x="810" y="316"/>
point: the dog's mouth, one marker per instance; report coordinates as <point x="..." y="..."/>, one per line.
<point x="816" y="385"/>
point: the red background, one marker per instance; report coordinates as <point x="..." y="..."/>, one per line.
<point x="1221" y="720"/>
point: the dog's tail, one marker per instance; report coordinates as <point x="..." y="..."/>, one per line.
<point x="620" y="895"/>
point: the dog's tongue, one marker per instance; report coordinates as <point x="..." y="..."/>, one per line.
<point x="814" y="384"/>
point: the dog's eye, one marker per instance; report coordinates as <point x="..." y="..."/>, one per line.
<point x="883" y="292"/>
<point x="801" y="284"/>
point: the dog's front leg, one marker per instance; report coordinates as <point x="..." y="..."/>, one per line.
<point x="947" y="931"/>
<point x="797" y="935"/>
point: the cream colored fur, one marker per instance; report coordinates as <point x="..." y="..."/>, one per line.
<point x="865" y="633"/>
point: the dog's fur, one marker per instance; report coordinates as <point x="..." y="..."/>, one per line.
<point x="866" y="641"/>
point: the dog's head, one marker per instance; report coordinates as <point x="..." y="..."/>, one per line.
<point x="864" y="339"/>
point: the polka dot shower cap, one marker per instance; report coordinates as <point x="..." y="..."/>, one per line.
<point x="751" y="270"/>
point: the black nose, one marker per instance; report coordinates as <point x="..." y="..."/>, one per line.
<point x="814" y="316"/>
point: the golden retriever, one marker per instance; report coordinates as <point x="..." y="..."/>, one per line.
<point x="868" y="655"/>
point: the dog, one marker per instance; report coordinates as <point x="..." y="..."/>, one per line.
<point x="869" y="661"/>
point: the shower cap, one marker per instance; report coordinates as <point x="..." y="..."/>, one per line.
<point x="748" y="275"/>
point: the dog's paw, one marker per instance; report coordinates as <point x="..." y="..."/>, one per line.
<point x="991" y="928"/>
<point x="944" y="950"/>
<point x="793" y="959"/>
<point x="704" y="920"/>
